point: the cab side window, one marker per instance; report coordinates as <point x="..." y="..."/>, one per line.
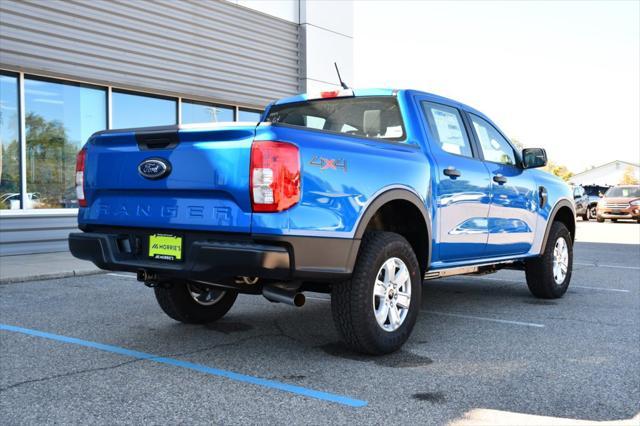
<point x="447" y="128"/>
<point x="495" y="148"/>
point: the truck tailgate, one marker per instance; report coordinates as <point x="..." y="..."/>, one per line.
<point x="206" y="187"/>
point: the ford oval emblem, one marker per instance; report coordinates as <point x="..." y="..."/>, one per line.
<point x="154" y="168"/>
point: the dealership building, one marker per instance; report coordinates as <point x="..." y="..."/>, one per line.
<point x="71" y="68"/>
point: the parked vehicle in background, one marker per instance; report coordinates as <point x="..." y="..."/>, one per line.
<point x="581" y="202"/>
<point x="620" y="202"/>
<point x="11" y="200"/>
<point x="360" y="194"/>
<point x="594" y="192"/>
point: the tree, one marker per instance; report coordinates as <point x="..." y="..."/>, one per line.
<point x="519" y="146"/>
<point x="50" y="160"/>
<point x="559" y="170"/>
<point x="629" y="177"/>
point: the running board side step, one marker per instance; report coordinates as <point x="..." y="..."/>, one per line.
<point x="487" y="268"/>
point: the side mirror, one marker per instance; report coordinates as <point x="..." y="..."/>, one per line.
<point x="534" y="157"/>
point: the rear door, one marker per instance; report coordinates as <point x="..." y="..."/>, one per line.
<point x="462" y="186"/>
<point x="514" y="201"/>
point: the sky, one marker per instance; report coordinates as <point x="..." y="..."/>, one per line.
<point x="564" y="76"/>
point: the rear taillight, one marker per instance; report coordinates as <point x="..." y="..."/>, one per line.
<point x="80" y="162"/>
<point x="275" y="176"/>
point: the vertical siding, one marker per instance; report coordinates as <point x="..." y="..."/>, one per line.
<point x="205" y="49"/>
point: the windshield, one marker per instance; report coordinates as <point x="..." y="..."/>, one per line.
<point x="624" y="192"/>
<point x="593" y="190"/>
<point x="373" y="117"/>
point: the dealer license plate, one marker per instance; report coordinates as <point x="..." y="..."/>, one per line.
<point x="165" y="247"/>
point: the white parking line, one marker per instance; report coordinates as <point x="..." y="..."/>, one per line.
<point x="600" y="288"/>
<point x="526" y="324"/>
<point x="122" y="275"/>
<point x="635" y="268"/>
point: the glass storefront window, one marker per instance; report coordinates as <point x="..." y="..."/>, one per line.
<point x="249" y="115"/>
<point x="133" y="110"/>
<point x="9" y="143"/>
<point x="59" y="119"/>
<point x="198" y="112"/>
<point x="60" y="116"/>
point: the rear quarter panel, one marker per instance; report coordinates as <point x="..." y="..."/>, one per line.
<point x="341" y="175"/>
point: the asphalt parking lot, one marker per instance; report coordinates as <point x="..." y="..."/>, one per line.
<point x="98" y="349"/>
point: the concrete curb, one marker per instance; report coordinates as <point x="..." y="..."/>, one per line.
<point x="41" y="277"/>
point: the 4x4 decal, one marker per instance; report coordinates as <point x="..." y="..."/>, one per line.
<point x="328" y="163"/>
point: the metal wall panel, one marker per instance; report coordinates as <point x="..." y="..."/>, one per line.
<point x="207" y="49"/>
<point x="22" y="234"/>
<point x="201" y="49"/>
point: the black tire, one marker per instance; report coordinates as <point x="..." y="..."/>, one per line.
<point x="353" y="301"/>
<point x="614" y="220"/>
<point x="177" y="302"/>
<point x="599" y="219"/>
<point x="592" y="212"/>
<point x="539" y="271"/>
<point x="585" y="217"/>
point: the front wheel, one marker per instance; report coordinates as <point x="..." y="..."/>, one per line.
<point x="375" y="310"/>
<point x="592" y="212"/>
<point x="600" y="219"/>
<point x="548" y="276"/>
<point x="192" y="303"/>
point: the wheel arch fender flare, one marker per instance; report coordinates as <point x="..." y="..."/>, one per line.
<point x="561" y="204"/>
<point x="389" y="195"/>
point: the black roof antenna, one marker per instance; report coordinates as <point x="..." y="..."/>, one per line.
<point x="342" y="83"/>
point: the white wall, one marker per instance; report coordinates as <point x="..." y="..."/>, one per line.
<point x="326" y="29"/>
<point x="607" y="174"/>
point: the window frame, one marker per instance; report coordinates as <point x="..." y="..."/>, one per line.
<point x="516" y="154"/>
<point x="466" y="124"/>
<point x="21" y="136"/>
<point x="256" y="111"/>
<point x="23" y="143"/>
<point x="114" y="90"/>
<point x="23" y="75"/>
<point x="182" y="101"/>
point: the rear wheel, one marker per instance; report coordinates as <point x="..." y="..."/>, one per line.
<point x="548" y="276"/>
<point x="375" y="310"/>
<point x="192" y="303"/>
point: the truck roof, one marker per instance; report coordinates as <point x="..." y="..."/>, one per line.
<point x="380" y="92"/>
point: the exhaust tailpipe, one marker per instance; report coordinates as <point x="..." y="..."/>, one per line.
<point x="149" y="279"/>
<point x="277" y="294"/>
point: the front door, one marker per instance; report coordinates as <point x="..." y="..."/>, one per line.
<point x="512" y="216"/>
<point x="461" y="185"/>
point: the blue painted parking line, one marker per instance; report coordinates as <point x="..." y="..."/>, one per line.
<point x="298" y="390"/>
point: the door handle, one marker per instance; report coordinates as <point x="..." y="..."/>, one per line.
<point x="452" y="172"/>
<point x="499" y="179"/>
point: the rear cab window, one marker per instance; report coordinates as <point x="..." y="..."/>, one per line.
<point x="375" y="117"/>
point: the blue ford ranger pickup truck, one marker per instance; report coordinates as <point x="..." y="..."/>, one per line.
<point x="361" y="194"/>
